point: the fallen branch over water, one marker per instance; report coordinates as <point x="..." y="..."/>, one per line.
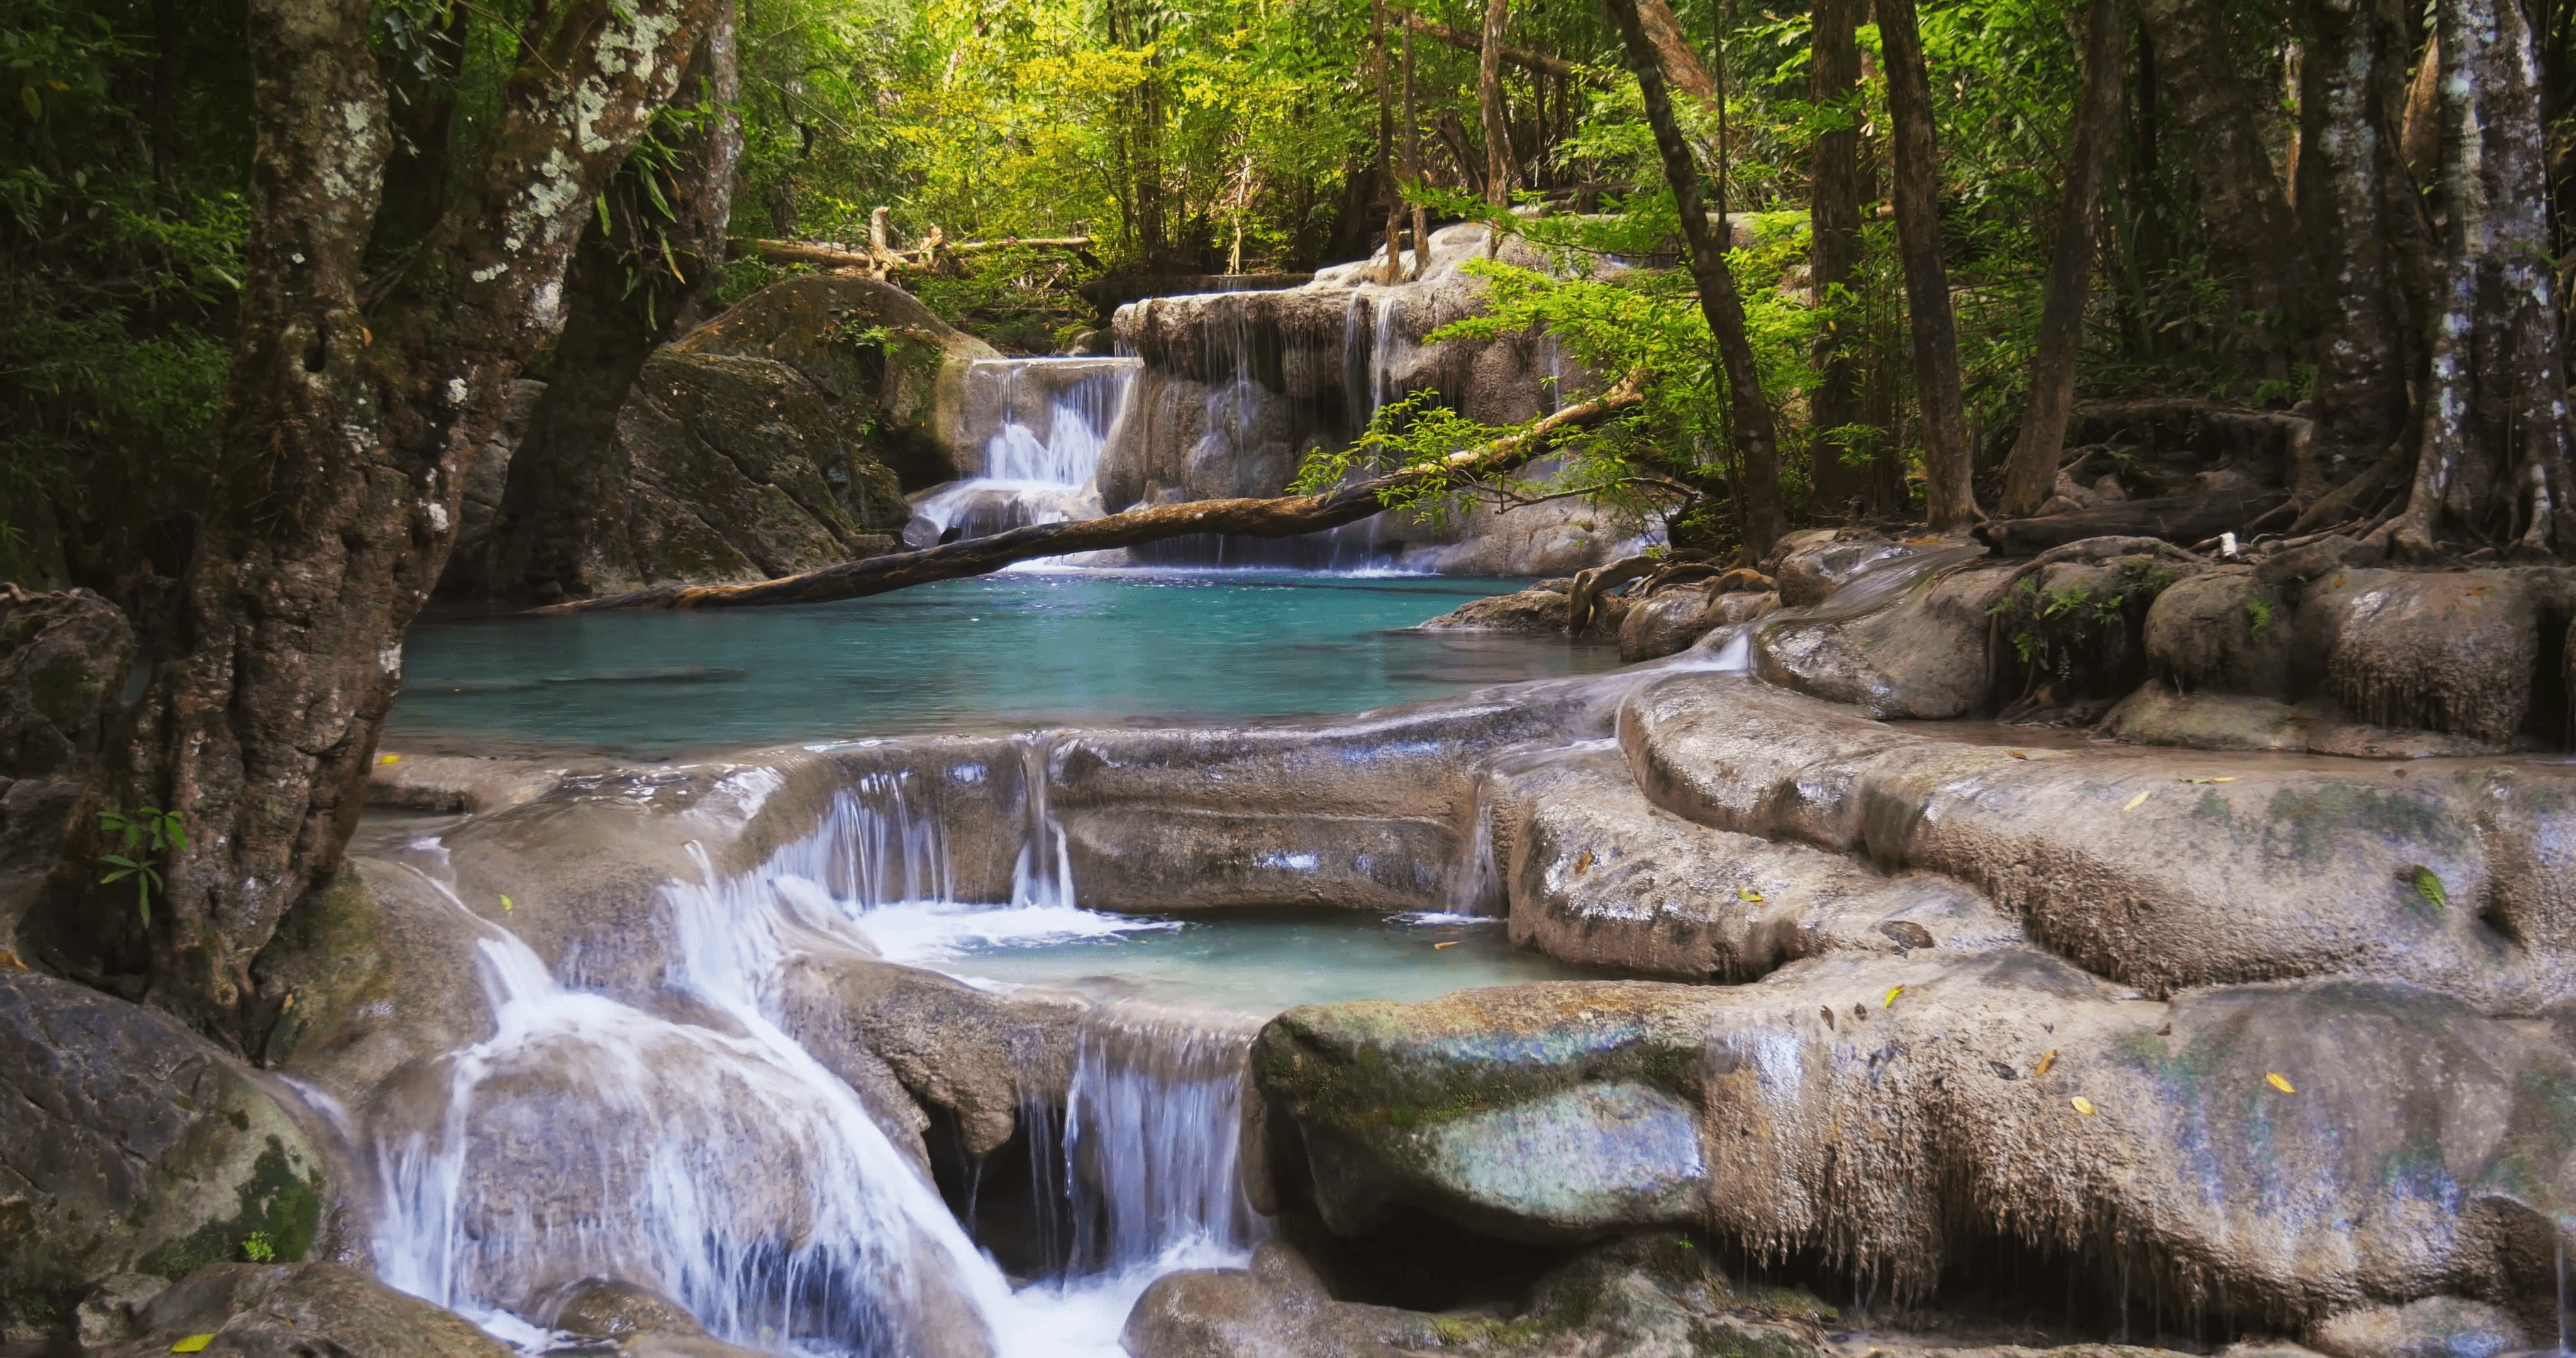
<point x="1284" y="516"/>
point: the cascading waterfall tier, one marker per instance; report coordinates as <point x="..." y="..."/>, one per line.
<point x="685" y="1141"/>
<point x="1034" y="428"/>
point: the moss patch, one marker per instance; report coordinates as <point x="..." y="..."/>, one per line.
<point x="277" y="1205"/>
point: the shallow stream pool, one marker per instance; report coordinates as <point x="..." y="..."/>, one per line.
<point x="1018" y="649"/>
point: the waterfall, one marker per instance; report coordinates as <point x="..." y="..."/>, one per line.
<point x="704" y="1152"/>
<point x="1034" y="428"/>
<point x="1149" y="1140"/>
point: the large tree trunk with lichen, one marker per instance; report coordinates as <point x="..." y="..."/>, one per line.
<point x="1757" y="442"/>
<point x="562" y="528"/>
<point x="1833" y="199"/>
<point x="2364" y="234"/>
<point x="1950" y="498"/>
<point x="2031" y="473"/>
<point x="353" y="414"/>
<point x="2494" y="466"/>
<point x="2253" y="238"/>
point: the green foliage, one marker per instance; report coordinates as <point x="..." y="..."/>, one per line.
<point x="257" y="1248"/>
<point x="145" y="835"/>
<point x="2258" y="613"/>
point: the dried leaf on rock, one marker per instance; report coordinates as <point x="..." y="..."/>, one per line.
<point x="2045" y="1062"/>
<point x="2280" y="1082"/>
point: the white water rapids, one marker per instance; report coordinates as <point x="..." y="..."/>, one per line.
<point x="700" y="1150"/>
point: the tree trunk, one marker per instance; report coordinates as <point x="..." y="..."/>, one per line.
<point x="351" y="422"/>
<point x="1283" y="516"/>
<point x="2355" y="207"/>
<point x="562" y="528"/>
<point x="2253" y="239"/>
<point x="1748" y="413"/>
<point x="1682" y="66"/>
<point x="2420" y="137"/>
<point x="1498" y="132"/>
<point x="1386" y="147"/>
<point x="2494" y="463"/>
<point x="1834" y="199"/>
<point x="2032" y="472"/>
<point x="1413" y="163"/>
<point x="1949" y="497"/>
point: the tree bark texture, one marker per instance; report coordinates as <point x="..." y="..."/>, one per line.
<point x="1834" y="201"/>
<point x="2494" y="464"/>
<point x="1388" y="150"/>
<point x="562" y="530"/>
<point x="1757" y="442"/>
<point x="1284" y="516"/>
<point x="2359" y="223"/>
<point x="1950" y="498"/>
<point x="1498" y="130"/>
<point x="1413" y="163"/>
<point x="2253" y="238"/>
<point x="1682" y="66"/>
<point x="2031" y="474"/>
<point x="352" y="417"/>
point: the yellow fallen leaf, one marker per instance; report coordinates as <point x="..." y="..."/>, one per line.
<point x="2016" y="754"/>
<point x="2209" y="780"/>
<point x="388" y="759"/>
<point x="10" y="959"/>
<point x="507" y="904"/>
<point x="1892" y="992"/>
<point x="1748" y="894"/>
<point x="2280" y="1082"/>
<point x="1584" y="863"/>
<point x="2082" y="1105"/>
<point x="1450" y="944"/>
<point x="2044" y="1063"/>
<point x="195" y="1343"/>
<point x="2134" y="803"/>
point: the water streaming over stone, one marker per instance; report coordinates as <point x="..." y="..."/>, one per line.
<point x="1035" y="428"/>
<point x="693" y="1146"/>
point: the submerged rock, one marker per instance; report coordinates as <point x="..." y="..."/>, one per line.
<point x="1876" y="1110"/>
<point x="133" y="1146"/>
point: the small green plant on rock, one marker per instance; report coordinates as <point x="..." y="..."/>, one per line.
<point x="2259" y="613"/>
<point x="258" y="1248"/>
<point x="146" y="835"/>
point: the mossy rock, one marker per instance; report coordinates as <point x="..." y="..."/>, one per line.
<point x="138" y="1147"/>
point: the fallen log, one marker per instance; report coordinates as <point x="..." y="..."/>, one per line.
<point x="830" y="255"/>
<point x="1284" y="516"/>
<point x="2174" y="518"/>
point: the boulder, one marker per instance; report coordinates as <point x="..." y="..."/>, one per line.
<point x="135" y="1147"/>
<point x="2224" y="631"/>
<point x="2455" y="652"/>
<point x="63" y="659"/>
<point x="894" y="371"/>
<point x="1277" y="1306"/>
<point x="63" y="663"/>
<point x="1539" y="610"/>
<point x="1886" y="1112"/>
<point x="1599" y="876"/>
<point x="742" y="471"/>
<point x="2159" y="869"/>
<point x="256" y="1311"/>
<point x="1666" y="622"/>
<point x="1920" y="652"/>
<point x="1818" y="561"/>
<point x="608" y="1308"/>
<point x="2073" y="630"/>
